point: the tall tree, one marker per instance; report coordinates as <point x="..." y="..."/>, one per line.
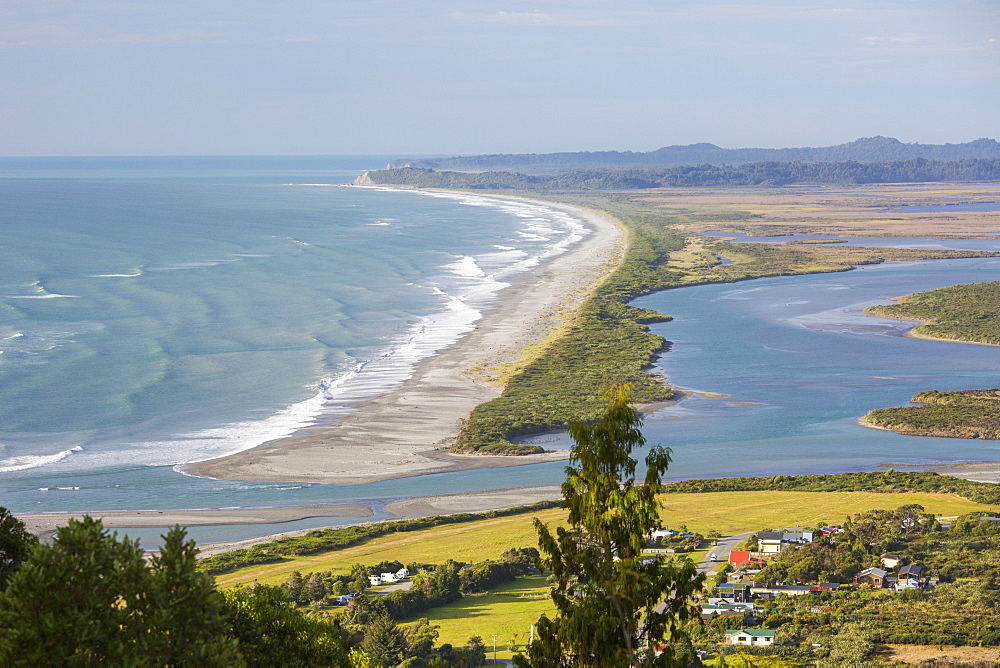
<point x="91" y="599"/>
<point x="384" y="641"/>
<point x="75" y="602"/>
<point x="615" y="608"/>
<point x="185" y="614"/>
<point x="272" y="633"/>
<point x="16" y="543"/>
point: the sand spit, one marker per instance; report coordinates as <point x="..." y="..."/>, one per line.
<point x="407" y="432"/>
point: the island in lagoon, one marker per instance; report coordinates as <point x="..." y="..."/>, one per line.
<point x="963" y="313"/>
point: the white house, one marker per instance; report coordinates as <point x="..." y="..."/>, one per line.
<point x="890" y="561"/>
<point x="769" y="542"/>
<point x="750" y="637"/>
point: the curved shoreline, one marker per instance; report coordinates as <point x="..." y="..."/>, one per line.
<point x="407" y="431"/>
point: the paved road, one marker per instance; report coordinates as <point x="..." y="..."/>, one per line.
<point x="395" y="587"/>
<point x="723" y="546"/>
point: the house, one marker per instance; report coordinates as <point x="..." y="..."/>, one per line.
<point x="871" y="577"/>
<point x="797" y="537"/>
<point x="769" y="542"/>
<point x="911" y="572"/>
<point x="722" y="604"/>
<point x="750" y="637"/>
<point x="709" y="613"/>
<point x="773" y="591"/>
<point x="741" y="559"/>
<point x="734" y="592"/>
<point x="890" y="561"/>
<point x="909" y="583"/>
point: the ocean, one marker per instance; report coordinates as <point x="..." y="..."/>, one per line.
<point x="157" y="311"/>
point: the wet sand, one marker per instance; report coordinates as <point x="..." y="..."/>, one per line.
<point x="473" y="502"/>
<point x="407" y="432"/>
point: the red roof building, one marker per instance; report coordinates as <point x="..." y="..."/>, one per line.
<point x="740" y="559"/>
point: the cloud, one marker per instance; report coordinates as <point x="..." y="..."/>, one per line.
<point x="37" y="34"/>
<point x="297" y="39"/>
<point x="533" y="18"/>
<point x="894" y="40"/>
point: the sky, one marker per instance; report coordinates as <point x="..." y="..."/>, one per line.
<point x="419" y="77"/>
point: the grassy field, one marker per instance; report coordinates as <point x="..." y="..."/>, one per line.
<point x="726" y="512"/>
<point x="507" y="611"/>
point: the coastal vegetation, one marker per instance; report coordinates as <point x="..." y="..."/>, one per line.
<point x="968" y="313"/>
<point x="728" y="512"/>
<point x="884" y="482"/>
<point x="760" y="174"/>
<point x="961" y="414"/>
<point x="606" y="343"/>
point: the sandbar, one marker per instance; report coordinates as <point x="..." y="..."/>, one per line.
<point x="407" y="432"/>
<point x="976" y="471"/>
<point x="41" y="523"/>
<point x="473" y="502"/>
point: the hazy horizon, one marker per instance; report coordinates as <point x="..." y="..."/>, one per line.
<point x="306" y="77"/>
<point x="395" y="156"/>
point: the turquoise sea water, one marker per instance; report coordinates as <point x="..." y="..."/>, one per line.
<point x="161" y="311"/>
<point x="158" y="311"/>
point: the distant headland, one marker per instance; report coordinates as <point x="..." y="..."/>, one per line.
<point x="864" y="150"/>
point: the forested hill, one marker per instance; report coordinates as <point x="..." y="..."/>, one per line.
<point x="764" y="174"/>
<point x="868" y="149"/>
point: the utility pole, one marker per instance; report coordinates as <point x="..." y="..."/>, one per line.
<point x="494" y="648"/>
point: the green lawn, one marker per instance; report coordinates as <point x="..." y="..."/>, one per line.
<point x="507" y="611"/>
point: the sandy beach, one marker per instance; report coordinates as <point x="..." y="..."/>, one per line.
<point x="407" y="432"/>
